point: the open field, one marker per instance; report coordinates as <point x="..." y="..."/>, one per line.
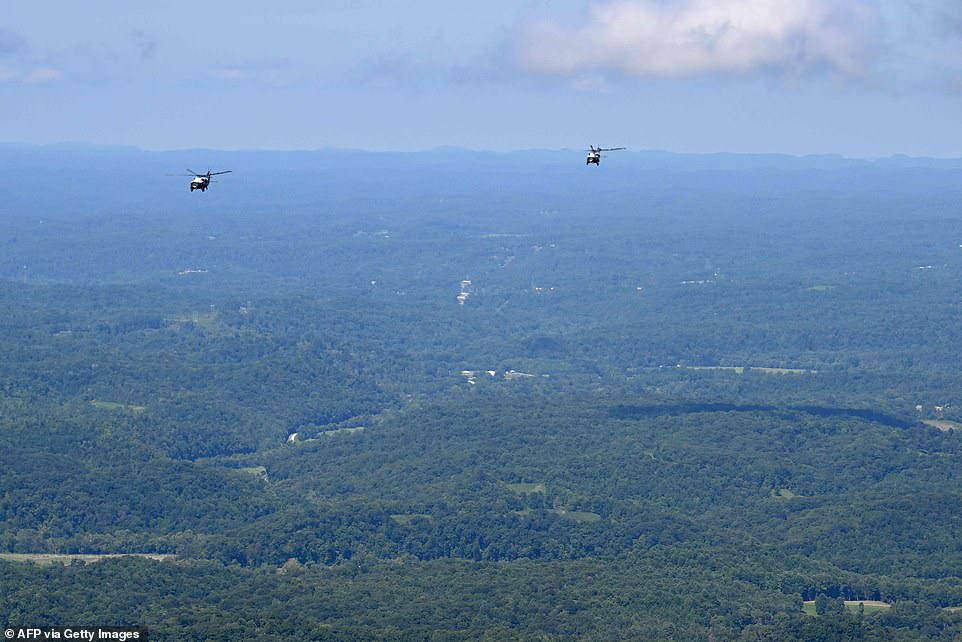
<point x="341" y="431"/>
<point x="527" y="487"/>
<point x="210" y="322"/>
<point x="67" y="558"/>
<point x="742" y="369"/>
<point x="735" y="369"/>
<point x="257" y="471"/>
<point x="871" y="606"/>
<point x="297" y="438"/>
<point x="580" y="516"/>
<point x="942" y="425"/>
<point x="784" y="493"/>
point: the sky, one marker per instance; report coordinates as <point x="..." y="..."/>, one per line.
<point x="860" y="78"/>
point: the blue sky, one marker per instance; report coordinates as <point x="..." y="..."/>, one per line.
<point x="862" y="78"/>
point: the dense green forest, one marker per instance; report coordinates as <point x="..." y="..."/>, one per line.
<point x="456" y="395"/>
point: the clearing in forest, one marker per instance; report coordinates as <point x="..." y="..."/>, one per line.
<point x="113" y="405"/>
<point x="527" y="487"/>
<point x="871" y="606"/>
<point x="762" y="369"/>
<point x="66" y="558"/>
<point x="784" y="493"/>
<point x="941" y="424"/>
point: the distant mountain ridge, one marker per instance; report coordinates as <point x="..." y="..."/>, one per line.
<point x="645" y="157"/>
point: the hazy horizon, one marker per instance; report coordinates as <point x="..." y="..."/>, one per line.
<point x="860" y="78"/>
<point x="443" y="148"/>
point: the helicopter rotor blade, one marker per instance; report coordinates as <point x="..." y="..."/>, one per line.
<point x="218" y="173"/>
<point x="193" y="173"/>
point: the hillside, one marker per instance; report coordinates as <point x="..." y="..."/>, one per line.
<point x="462" y="395"/>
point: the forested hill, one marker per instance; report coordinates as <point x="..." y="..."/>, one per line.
<point x="461" y="395"/>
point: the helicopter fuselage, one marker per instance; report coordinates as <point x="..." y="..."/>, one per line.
<point x="200" y="182"/>
<point x="594" y="154"/>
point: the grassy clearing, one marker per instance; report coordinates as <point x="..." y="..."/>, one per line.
<point x="341" y="431"/>
<point x="257" y="471"/>
<point x="44" y="559"/>
<point x="735" y="369"/>
<point x="524" y="487"/>
<point x="113" y="405"/>
<point x="579" y="516"/>
<point x="254" y="470"/>
<point x="784" y="493"/>
<point x="871" y="606"/>
<point x="763" y="370"/>
<point x="299" y="437"/>
<point x="209" y="322"/>
<point x="941" y="424"/>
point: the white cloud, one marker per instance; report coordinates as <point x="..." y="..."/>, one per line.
<point x="693" y="37"/>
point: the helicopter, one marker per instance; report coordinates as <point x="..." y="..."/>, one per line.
<point x="201" y="181"/>
<point x="594" y="153"/>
